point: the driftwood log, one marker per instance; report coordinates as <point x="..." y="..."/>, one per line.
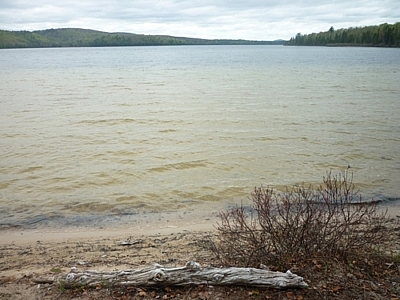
<point x="191" y="274"/>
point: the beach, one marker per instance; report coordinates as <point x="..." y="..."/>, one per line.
<point x="32" y="261"/>
<point x="28" y="257"/>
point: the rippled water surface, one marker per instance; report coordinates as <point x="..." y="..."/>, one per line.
<point x="118" y="131"/>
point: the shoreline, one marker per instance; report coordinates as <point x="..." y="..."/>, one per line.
<point x="30" y="236"/>
<point x="149" y="223"/>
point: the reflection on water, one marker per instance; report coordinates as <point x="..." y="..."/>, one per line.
<point x="120" y="131"/>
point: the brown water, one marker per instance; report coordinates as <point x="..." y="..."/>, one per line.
<point x="97" y="135"/>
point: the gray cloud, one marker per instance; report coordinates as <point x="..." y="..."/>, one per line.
<point x="251" y="19"/>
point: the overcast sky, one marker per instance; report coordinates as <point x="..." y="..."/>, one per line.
<point x="211" y="19"/>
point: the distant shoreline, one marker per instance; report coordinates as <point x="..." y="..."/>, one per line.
<point x="76" y="37"/>
<point x="383" y="35"/>
<point x="346" y="45"/>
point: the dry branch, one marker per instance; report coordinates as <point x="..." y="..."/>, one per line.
<point x="330" y="221"/>
<point x="191" y="274"/>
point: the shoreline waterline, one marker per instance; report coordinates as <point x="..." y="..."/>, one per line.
<point x="150" y="223"/>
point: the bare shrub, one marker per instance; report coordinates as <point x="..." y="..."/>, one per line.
<point x="330" y="221"/>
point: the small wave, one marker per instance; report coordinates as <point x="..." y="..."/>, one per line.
<point x="342" y="132"/>
<point x="75" y="220"/>
<point x="209" y="198"/>
<point x="4" y="185"/>
<point x="183" y="194"/>
<point x="126" y="199"/>
<point x="92" y="207"/>
<point x="30" y="169"/>
<point x="180" y="166"/>
<point x="387" y="200"/>
<point x="108" y="121"/>
<point x="267" y="138"/>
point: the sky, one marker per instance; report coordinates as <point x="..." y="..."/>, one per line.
<point x="210" y="19"/>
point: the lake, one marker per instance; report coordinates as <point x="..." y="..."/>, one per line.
<point x="94" y="134"/>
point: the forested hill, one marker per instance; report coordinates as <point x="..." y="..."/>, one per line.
<point x="384" y="35"/>
<point x="73" y="37"/>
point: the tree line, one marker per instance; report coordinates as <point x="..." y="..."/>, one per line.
<point x="75" y="37"/>
<point x="384" y="35"/>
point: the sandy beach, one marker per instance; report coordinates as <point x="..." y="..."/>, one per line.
<point x="32" y="260"/>
<point x="29" y="256"/>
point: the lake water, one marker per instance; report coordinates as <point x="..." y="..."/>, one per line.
<point x="91" y="134"/>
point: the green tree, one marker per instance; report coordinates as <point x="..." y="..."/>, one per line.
<point x="386" y="35"/>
